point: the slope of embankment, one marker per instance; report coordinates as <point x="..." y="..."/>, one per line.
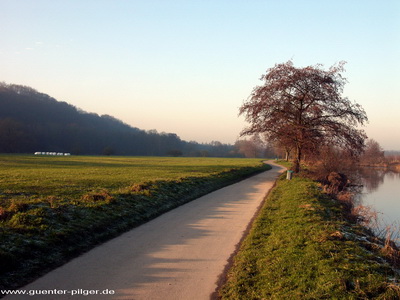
<point x="302" y="246"/>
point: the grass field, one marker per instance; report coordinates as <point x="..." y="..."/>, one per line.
<point x="53" y="208"/>
<point x="71" y="176"/>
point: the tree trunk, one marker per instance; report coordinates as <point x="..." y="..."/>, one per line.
<point x="298" y="160"/>
<point x="287" y="155"/>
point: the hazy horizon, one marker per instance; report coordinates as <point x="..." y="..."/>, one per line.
<point x="186" y="67"/>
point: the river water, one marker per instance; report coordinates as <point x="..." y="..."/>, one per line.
<point x="381" y="191"/>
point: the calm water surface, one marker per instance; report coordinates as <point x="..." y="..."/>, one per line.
<point x="381" y="191"/>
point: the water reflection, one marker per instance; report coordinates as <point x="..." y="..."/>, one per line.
<point x="371" y="178"/>
<point x="381" y="191"/>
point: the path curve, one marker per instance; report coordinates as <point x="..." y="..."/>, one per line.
<point x="179" y="255"/>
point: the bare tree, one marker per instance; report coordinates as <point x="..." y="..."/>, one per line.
<point x="303" y="108"/>
<point x="373" y="153"/>
<point x="246" y="148"/>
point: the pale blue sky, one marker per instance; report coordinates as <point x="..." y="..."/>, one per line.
<point x="186" y="66"/>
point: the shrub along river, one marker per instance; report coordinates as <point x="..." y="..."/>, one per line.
<point x="381" y="191"/>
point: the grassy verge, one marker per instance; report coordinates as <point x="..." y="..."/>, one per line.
<point x="45" y="225"/>
<point x="301" y="247"/>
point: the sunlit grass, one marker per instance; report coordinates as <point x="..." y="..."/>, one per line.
<point x="72" y="176"/>
<point x="297" y="250"/>
<point x="53" y="208"/>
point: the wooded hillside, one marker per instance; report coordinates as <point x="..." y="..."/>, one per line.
<point x="31" y="121"/>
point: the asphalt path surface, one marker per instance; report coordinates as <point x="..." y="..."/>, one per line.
<point x="181" y="255"/>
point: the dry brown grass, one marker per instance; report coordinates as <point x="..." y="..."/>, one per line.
<point x="102" y="195"/>
<point x="367" y="216"/>
<point x="390" y="250"/>
<point x="3" y="214"/>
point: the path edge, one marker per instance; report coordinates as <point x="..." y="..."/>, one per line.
<point x="222" y="278"/>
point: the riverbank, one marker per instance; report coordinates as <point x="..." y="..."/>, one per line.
<point x="302" y="246"/>
<point x="390" y="166"/>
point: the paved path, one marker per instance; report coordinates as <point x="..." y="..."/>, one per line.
<point x="180" y="255"/>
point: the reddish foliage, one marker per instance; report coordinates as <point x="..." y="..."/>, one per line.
<point x="303" y="109"/>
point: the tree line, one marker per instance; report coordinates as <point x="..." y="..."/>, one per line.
<point x="374" y="155"/>
<point x="31" y="121"/>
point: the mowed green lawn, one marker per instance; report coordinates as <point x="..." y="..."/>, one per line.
<point x="23" y="176"/>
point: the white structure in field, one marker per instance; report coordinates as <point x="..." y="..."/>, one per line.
<point x="52" y="153"/>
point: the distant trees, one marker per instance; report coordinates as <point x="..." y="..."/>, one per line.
<point x="392" y="157"/>
<point x="254" y="147"/>
<point x="373" y="153"/>
<point x="13" y="136"/>
<point x="247" y="148"/>
<point x="303" y="109"/>
<point x="175" y="153"/>
<point x="31" y="121"/>
<point x="108" y="151"/>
